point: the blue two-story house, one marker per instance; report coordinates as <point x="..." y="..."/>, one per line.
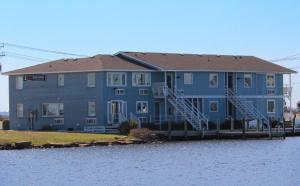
<point x="87" y="94"/>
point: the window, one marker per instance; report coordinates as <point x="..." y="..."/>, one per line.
<point x="213" y="106"/>
<point x="271" y="106"/>
<point x="19" y="82"/>
<point x="116" y="79"/>
<point x="53" y="109"/>
<point x="91" y="109"/>
<point x="247" y="80"/>
<point x="213" y="80"/>
<point x="20" y="110"/>
<point x="141" y="107"/>
<point x="60" y="80"/>
<point x="34" y="77"/>
<point x="59" y="121"/>
<point x="91" y="121"/>
<point x="119" y="92"/>
<point x="91" y="79"/>
<point x="188" y="78"/>
<point x="270" y="80"/>
<point x="143" y="92"/>
<point x="141" y="79"/>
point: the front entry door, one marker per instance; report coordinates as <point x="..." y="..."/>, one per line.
<point x="170" y="81"/>
<point x="117" y="111"/>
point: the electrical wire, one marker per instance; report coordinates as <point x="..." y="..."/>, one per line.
<point x="41" y="50"/>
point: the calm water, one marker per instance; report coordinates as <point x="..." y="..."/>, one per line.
<point x="249" y="162"/>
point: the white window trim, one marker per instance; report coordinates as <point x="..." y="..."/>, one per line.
<point x="136" y="85"/>
<point x="111" y="73"/>
<point x="20" y="115"/>
<point x="141" y="102"/>
<point x="91" y="115"/>
<point x="89" y="84"/>
<point x="267" y="80"/>
<point x="46" y="116"/>
<point x="245" y="80"/>
<point x="61" y="83"/>
<point x="19" y="82"/>
<point x="216" y="86"/>
<point x="91" y="124"/>
<point x="184" y="78"/>
<point x="141" y="92"/>
<point x="117" y="92"/>
<point x="210" y="102"/>
<point x="58" y="119"/>
<point x="274" y="101"/>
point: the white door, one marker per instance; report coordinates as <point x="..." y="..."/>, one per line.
<point x="117" y="111"/>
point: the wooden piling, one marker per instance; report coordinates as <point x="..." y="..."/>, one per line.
<point x="169" y="130"/>
<point x="283" y="125"/>
<point x="231" y="124"/>
<point x="294" y="122"/>
<point x="243" y="128"/>
<point x="218" y="129"/>
<point x="185" y="129"/>
<point x="270" y="129"/>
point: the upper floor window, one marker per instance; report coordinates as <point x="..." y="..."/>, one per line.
<point x="91" y="109"/>
<point x="116" y="79"/>
<point x="188" y="78"/>
<point x="141" y="79"/>
<point x="20" y="110"/>
<point x="213" y="80"/>
<point x="60" y="80"/>
<point x="142" y="107"/>
<point x="270" y="80"/>
<point x="34" y="77"/>
<point x="91" y="80"/>
<point x="247" y="80"/>
<point x="19" y="82"/>
<point x="53" y="109"/>
<point x="271" y="106"/>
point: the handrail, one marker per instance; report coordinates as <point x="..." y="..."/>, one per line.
<point x="136" y="119"/>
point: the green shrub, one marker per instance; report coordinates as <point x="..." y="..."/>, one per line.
<point x="5" y="125"/>
<point x="126" y="126"/>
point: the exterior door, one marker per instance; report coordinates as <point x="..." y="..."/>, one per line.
<point x="157" y="112"/>
<point x="117" y="111"/>
<point x="170" y="81"/>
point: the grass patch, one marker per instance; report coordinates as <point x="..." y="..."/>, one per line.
<point x="40" y="138"/>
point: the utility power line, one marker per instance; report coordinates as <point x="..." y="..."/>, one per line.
<point x="40" y="50"/>
<point x="22" y="56"/>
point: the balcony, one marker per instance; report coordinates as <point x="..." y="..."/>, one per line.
<point x="159" y="90"/>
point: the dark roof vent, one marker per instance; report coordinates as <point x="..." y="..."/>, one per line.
<point x="218" y="56"/>
<point x="181" y="54"/>
<point x="50" y="66"/>
<point x="208" y="59"/>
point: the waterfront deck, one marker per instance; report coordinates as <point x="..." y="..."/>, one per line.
<point x="231" y="133"/>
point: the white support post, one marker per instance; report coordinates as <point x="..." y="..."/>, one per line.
<point x="290" y="93"/>
<point x="166" y="108"/>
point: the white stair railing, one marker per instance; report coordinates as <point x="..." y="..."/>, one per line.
<point x="184" y="106"/>
<point x="245" y="107"/>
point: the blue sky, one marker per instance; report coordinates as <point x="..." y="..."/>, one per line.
<point x="266" y="29"/>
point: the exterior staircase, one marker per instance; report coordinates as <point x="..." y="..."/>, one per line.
<point x="245" y="107"/>
<point x="185" y="107"/>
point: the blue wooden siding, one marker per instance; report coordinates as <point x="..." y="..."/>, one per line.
<point x="75" y="96"/>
